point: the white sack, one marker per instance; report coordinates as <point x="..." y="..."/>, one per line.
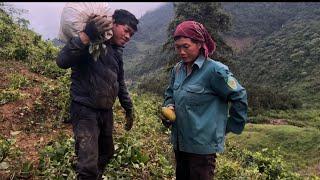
<point x="75" y="16"/>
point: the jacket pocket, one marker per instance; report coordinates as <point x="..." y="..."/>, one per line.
<point x="103" y="92"/>
<point x="196" y="95"/>
<point x="81" y="112"/>
<point x="195" y="89"/>
<point x="105" y="97"/>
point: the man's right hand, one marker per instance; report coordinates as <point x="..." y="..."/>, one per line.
<point x="97" y="26"/>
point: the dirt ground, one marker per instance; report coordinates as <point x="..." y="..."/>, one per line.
<point x="14" y="119"/>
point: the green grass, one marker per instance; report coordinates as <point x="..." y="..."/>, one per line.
<point x="18" y="81"/>
<point x="300" y="147"/>
<point x="7" y="96"/>
<point x="296" y="117"/>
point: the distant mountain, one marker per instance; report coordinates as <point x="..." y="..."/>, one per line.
<point x="258" y="19"/>
<point x="281" y="40"/>
<point x="250" y="22"/>
<point x="152" y="32"/>
<point x="288" y="60"/>
<point x="153" y="25"/>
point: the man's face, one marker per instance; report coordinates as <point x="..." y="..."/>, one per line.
<point x="121" y="34"/>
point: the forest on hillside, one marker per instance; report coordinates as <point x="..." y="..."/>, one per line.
<point x="279" y="67"/>
<point x="263" y="31"/>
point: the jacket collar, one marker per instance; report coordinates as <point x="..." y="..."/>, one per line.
<point x="199" y="61"/>
<point x="118" y="49"/>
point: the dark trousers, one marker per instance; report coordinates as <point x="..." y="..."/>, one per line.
<point x="194" y="166"/>
<point x="94" y="147"/>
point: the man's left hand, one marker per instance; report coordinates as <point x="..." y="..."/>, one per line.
<point x="129" y="119"/>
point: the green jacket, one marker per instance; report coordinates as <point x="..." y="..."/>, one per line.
<point x="201" y="105"/>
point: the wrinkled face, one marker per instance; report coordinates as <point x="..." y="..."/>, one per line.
<point x="121" y="34"/>
<point x="187" y="49"/>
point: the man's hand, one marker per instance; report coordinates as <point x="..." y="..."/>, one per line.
<point x="130" y="116"/>
<point x="97" y="26"/>
<point x="103" y="24"/>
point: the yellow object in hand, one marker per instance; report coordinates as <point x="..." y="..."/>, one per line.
<point x="168" y="113"/>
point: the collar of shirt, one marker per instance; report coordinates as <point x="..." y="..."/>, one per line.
<point x="198" y="62"/>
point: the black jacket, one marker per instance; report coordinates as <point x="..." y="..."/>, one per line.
<point x="95" y="83"/>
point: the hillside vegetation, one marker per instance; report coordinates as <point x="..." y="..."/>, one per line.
<point x="158" y="61"/>
<point x="287" y="60"/>
<point x="250" y="22"/>
<point x="152" y="32"/>
<point x="260" y="19"/>
<point x="281" y="37"/>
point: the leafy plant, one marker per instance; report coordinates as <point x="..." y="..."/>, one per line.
<point x="57" y="159"/>
<point x="4" y="148"/>
<point x="56" y="97"/>
<point x="269" y="163"/>
<point x="7" y="96"/>
<point x="26" y="170"/>
<point x="47" y="68"/>
<point x="18" y="81"/>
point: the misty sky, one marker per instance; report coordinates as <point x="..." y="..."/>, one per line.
<point x="44" y="17"/>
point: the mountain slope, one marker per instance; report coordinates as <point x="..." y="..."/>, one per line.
<point x="288" y="59"/>
<point x="259" y="19"/>
<point x="280" y="41"/>
<point x="152" y="32"/>
<point x="250" y="22"/>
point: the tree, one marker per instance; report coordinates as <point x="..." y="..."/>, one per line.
<point x="15" y="13"/>
<point x="212" y="16"/>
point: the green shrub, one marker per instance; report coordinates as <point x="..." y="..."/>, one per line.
<point x="128" y="154"/>
<point x="18" y="81"/>
<point x="6" y="30"/>
<point x="7" y="96"/>
<point x="21" y="53"/>
<point x="57" y="98"/>
<point x="4" y="148"/>
<point x="11" y="160"/>
<point x="57" y="159"/>
<point x="260" y="97"/>
<point x="227" y="170"/>
<point x="156" y="82"/>
<point x="26" y="170"/>
<point x="19" y="43"/>
<point x="269" y="163"/>
<point x="47" y="68"/>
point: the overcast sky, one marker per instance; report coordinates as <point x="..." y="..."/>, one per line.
<point x="44" y="17"/>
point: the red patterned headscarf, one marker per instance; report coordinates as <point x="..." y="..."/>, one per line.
<point x="196" y="31"/>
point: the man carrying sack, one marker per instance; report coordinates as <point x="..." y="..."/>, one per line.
<point x="95" y="86"/>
